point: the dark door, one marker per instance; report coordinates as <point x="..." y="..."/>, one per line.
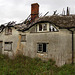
<point x="0" y="46"/>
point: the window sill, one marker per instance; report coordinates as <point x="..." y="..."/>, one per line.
<point x="8" y="34"/>
<point x="43" y="53"/>
<point x="42" y="31"/>
<point x="7" y="50"/>
<point x="23" y="41"/>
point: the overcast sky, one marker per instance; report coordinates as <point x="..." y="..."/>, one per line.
<point x="19" y="10"/>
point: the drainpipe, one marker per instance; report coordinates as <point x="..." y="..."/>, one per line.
<point x="72" y="46"/>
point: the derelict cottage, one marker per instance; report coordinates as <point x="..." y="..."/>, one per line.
<point x="46" y="37"/>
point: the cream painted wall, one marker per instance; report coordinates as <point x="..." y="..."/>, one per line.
<point x="74" y="46"/>
<point x="10" y="38"/>
<point x="59" y="46"/>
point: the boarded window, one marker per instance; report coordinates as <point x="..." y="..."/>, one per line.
<point x="42" y="47"/>
<point x="8" y="46"/>
<point x="8" y="31"/>
<point x="23" y="38"/>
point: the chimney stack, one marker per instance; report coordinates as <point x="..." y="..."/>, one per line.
<point x="34" y="11"/>
<point x="68" y="11"/>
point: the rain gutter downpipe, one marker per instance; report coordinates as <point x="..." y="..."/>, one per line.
<point x="72" y="46"/>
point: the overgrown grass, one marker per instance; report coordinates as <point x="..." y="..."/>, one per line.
<point x="22" y="65"/>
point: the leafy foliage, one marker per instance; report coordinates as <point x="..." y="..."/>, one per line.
<point x="23" y="65"/>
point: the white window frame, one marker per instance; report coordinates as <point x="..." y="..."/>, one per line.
<point x="52" y="28"/>
<point x="42" y="27"/>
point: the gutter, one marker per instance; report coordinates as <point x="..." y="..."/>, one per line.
<point x="72" y="46"/>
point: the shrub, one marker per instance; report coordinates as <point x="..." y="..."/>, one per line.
<point x="23" y="65"/>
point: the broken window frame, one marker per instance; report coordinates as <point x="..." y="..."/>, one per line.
<point x="8" y="31"/>
<point x="40" y="27"/>
<point x="40" y="47"/>
<point x="23" y="38"/>
<point x="43" y="27"/>
<point x="52" y="28"/>
<point x="8" y="43"/>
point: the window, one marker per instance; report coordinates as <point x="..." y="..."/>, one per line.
<point x="52" y="28"/>
<point x="8" y="46"/>
<point x="42" y="27"/>
<point x="8" y="31"/>
<point x="23" y="38"/>
<point x="45" y="27"/>
<point x="42" y="47"/>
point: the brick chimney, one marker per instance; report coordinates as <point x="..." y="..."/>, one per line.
<point x="34" y="11"/>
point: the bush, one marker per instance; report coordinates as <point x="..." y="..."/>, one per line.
<point x="23" y="65"/>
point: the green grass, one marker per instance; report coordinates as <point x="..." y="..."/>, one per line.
<point x="22" y="65"/>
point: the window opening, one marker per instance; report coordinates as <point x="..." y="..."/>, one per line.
<point x="23" y="38"/>
<point x="42" y="47"/>
<point x="8" y="46"/>
<point x="40" y="27"/>
<point x="8" y="31"/>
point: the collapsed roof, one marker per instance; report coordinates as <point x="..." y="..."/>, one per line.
<point x="60" y="21"/>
